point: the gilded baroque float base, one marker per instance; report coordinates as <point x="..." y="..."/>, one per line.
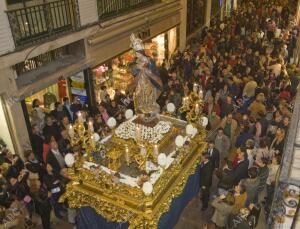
<point x="122" y="203"/>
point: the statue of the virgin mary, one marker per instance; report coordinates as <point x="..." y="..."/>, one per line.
<point x="147" y="83"/>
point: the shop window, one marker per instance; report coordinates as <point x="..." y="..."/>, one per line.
<point x="11" y="2"/>
<point x="115" y="74"/>
<point x="41" y="60"/>
<point x="195" y="15"/>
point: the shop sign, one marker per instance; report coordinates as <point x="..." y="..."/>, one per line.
<point x="78" y="87"/>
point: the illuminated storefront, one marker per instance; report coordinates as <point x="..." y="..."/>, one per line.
<point x="115" y="73"/>
<point x="195" y="15"/>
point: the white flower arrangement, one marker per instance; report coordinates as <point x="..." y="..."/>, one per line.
<point x="127" y="130"/>
<point x="111" y="122"/>
<point x="147" y="188"/>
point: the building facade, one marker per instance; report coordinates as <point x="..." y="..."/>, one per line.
<point x="70" y="48"/>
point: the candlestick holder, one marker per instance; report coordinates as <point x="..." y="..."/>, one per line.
<point x="192" y="106"/>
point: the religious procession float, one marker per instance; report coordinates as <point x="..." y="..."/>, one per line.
<point x="135" y="173"/>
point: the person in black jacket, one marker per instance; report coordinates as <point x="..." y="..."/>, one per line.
<point x="206" y="173"/>
<point x="51" y="129"/>
<point x="241" y="170"/>
<point x="42" y="205"/>
<point x="33" y="165"/>
<point x="55" y="189"/>
<point x="37" y="142"/>
<point x="64" y="143"/>
<point x="59" y="112"/>
<point x="214" y="155"/>
<point x="19" y="189"/>
<point x="226" y="179"/>
<point x="16" y="164"/>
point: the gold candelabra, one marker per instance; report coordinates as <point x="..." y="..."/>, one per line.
<point x="192" y="105"/>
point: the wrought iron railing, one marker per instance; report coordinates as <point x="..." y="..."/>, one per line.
<point x="35" y="23"/>
<point x="284" y="182"/>
<point x="112" y="8"/>
<point x="41" y="60"/>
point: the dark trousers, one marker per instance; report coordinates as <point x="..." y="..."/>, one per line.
<point x="270" y="196"/>
<point x="270" y="35"/>
<point x="205" y="197"/>
<point x="57" y="207"/>
<point x="44" y="210"/>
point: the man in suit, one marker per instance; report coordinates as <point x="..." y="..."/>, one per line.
<point x="206" y="172"/>
<point x="241" y="170"/>
<point x="55" y="158"/>
<point x="214" y="155"/>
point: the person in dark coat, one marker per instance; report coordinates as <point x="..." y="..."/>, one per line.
<point x="51" y="129"/>
<point x="225" y="179"/>
<point x="251" y="184"/>
<point x="75" y="107"/>
<point x="214" y="155"/>
<point x="241" y="170"/>
<point x="64" y="144"/>
<point x="263" y="173"/>
<point x="42" y="205"/>
<point x="33" y="165"/>
<point x="54" y="186"/>
<point x="37" y="142"/>
<point x="59" y="112"/>
<point x="206" y="173"/>
<point x="16" y="164"/>
<point x="244" y="135"/>
<point x="19" y="188"/>
<point x="164" y="75"/>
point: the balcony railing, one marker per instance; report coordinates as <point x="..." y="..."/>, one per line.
<point x="41" y="60"/>
<point x="35" y="23"/>
<point x="113" y="8"/>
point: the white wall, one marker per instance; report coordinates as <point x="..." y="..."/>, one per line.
<point x="4" y="130"/>
<point x="6" y="39"/>
<point x="88" y="11"/>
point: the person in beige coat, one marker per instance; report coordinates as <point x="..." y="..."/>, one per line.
<point x="230" y="128"/>
<point x="14" y="217"/>
<point x="223" y="207"/>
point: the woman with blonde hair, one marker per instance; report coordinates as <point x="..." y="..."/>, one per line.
<point x="278" y="142"/>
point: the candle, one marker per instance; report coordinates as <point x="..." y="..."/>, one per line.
<point x="197" y="108"/>
<point x="80" y="118"/>
<point x="185" y="100"/>
<point x="71" y="131"/>
<point x="127" y="156"/>
<point x="137" y="133"/>
<point x="91" y="127"/>
<point x="155" y="151"/>
<point x="201" y="94"/>
<point x="93" y="141"/>
<point x="195" y="87"/>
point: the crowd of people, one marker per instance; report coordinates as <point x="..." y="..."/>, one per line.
<point x="242" y="65"/>
<point x="250" y="89"/>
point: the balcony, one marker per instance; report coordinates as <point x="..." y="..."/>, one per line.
<point x="112" y="8"/>
<point x="36" y="23"/>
